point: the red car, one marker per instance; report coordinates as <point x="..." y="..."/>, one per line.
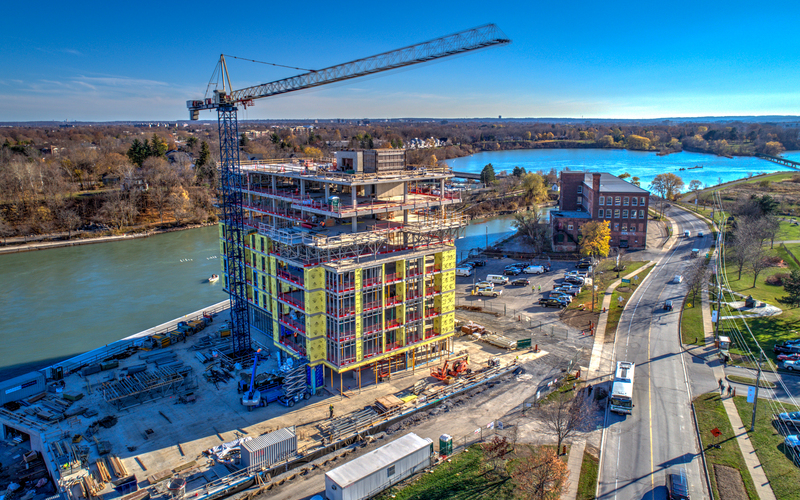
<point x="788" y="357"/>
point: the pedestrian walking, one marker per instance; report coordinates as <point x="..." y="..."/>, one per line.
<point x="730" y="390"/>
<point x="331" y="411"/>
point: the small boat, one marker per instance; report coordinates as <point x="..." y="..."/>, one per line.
<point x="214" y="278"/>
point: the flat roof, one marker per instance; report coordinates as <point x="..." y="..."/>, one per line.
<point x="613" y="184"/>
<point x="372" y="462"/>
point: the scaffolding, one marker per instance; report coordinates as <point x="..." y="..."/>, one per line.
<point x="144" y="387"/>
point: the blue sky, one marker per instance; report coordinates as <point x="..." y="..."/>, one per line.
<point x="142" y="60"/>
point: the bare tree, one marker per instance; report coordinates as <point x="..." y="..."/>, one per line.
<point x="70" y="220"/>
<point x="771" y="225"/>
<point x="162" y="181"/>
<point x="696" y="276"/>
<point x="495" y="452"/>
<point x="567" y="414"/>
<point x="541" y="476"/>
<point x="5" y="230"/>
<point x="532" y="228"/>
<point x="759" y="263"/>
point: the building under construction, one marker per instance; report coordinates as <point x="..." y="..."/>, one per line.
<point x="349" y="262"/>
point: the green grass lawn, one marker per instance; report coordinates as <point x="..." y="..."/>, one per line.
<point x="767" y="330"/>
<point x="788" y="232"/>
<point x="587" y="483"/>
<point x="692" y="324"/>
<point x="463" y="477"/>
<point x="711" y="414"/>
<point x="603" y="280"/>
<point x="751" y="381"/>
<point x="625" y="291"/>
<point x="783" y="475"/>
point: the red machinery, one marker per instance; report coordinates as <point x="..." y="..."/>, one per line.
<point x="455" y="369"/>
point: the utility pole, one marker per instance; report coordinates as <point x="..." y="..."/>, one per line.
<point x="755" y="401"/>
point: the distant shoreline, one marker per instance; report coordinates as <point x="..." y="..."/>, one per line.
<point x="13" y="248"/>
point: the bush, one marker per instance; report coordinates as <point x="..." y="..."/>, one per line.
<point x="777" y="279"/>
<point x="764" y="183"/>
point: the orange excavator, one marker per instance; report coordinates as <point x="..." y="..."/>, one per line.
<point x="451" y="369"/>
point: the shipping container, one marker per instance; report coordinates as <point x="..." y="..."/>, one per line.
<point x="372" y="473"/>
<point x="22" y="387"/>
<point x="269" y="449"/>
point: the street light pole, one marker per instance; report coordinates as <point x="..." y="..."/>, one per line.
<point x="755" y="401"/>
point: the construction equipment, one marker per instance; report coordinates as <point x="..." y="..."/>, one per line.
<point x="252" y="398"/>
<point x="456" y="367"/>
<point x="226" y="100"/>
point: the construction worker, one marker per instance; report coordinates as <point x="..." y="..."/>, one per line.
<point x="331" y="411"/>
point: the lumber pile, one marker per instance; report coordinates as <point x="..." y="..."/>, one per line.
<point x="118" y="466"/>
<point x="387" y="403"/>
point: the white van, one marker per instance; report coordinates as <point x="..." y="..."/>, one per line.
<point x="687" y="233"/>
<point x="533" y="270"/>
<point x="463" y="271"/>
<point x="497" y="279"/>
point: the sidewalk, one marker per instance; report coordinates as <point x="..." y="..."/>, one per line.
<point x="748" y="453"/>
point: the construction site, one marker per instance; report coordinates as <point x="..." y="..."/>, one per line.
<point x="170" y="414"/>
<point x="341" y="328"/>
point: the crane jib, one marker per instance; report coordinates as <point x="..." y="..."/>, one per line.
<point x="458" y="43"/>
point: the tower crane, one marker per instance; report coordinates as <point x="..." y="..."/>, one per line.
<point x="226" y="102"/>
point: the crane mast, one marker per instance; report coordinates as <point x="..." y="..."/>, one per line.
<point x="225" y="101"/>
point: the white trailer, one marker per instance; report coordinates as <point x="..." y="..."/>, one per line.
<point x="368" y="475"/>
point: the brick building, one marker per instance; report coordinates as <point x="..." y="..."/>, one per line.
<point x="595" y="196"/>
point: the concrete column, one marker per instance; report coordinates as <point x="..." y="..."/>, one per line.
<point x="354" y="194"/>
<point x="273" y="182"/>
<point x="327" y="192"/>
<point x="441" y="190"/>
<point x="355" y="224"/>
<point x="405" y="192"/>
<point x="303" y="188"/>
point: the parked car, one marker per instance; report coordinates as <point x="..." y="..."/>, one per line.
<point x="575" y="280"/>
<point x="484" y="284"/>
<point x="556" y="294"/>
<point x="512" y="271"/>
<point x="477" y="263"/>
<point x="572" y="273"/>
<point x="497" y="279"/>
<point x="788" y="357"/>
<point x="677" y="485"/>
<point x="667" y="305"/>
<point x="585" y="262"/>
<point x="786" y="348"/>
<point x="552" y="302"/>
<point x="534" y="270"/>
<point x="489" y="292"/>
<point x="792" y="419"/>
<point x="569" y="290"/>
<point x="677" y="279"/>
<point x="792" y="441"/>
<point x="463" y="271"/>
<point x="791" y="365"/>
<point x="521" y="282"/>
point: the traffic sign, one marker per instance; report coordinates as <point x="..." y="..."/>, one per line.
<point x="751" y="394"/>
<point x="625" y="280"/>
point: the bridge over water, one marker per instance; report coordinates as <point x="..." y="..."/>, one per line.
<point x="466" y="175"/>
<point x="780" y="161"/>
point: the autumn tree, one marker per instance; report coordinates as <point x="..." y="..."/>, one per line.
<point x="667" y="186"/>
<point x="596" y="236"/>
<point x="534" y="188"/>
<point x="162" y="181"/>
<point x="541" y="475"/>
<point x="495" y="452"/>
<point x="694" y="186"/>
<point x="624" y="175"/>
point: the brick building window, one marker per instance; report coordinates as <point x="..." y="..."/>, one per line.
<point x="580" y="189"/>
<point x="641" y="201"/>
<point x="625" y="201"/>
<point x="633" y="201"/>
<point x="617" y="200"/>
<point x="641" y="214"/>
<point x="569" y="227"/>
<point x="624" y="214"/>
<point x="624" y="226"/>
<point x="616" y="227"/>
<point x="616" y="214"/>
<point x="602" y="200"/>
<point x="600" y="213"/>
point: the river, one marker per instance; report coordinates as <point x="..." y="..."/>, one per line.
<point x="618" y="161"/>
<point x="64" y="301"/>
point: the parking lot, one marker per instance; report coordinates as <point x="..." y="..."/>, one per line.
<point x="514" y="300"/>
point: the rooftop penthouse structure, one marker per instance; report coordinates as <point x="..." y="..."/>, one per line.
<point x="349" y="262"/>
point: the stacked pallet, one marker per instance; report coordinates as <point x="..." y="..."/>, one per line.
<point x="387" y="403"/>
<point x="89" y="487"/>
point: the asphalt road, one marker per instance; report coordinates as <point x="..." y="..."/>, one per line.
<point x="659" y="435"/>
